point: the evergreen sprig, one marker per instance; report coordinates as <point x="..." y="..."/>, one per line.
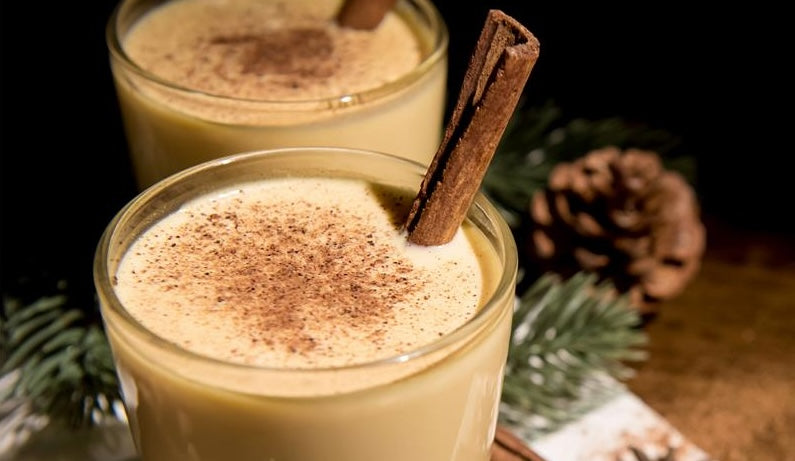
<point x="62" y="360"/>
<point x="570" y="348"/>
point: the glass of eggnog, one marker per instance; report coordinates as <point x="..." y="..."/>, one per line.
<point x="198" y="79"/>
<point x="268" y="306"/>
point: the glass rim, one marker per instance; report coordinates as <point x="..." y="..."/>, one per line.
<point x="103" y="278"/>
<point x="441" y="38"/>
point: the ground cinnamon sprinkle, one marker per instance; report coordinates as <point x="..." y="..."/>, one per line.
<point x="301" y="277"/>
<point x="270" y="51"/>
<point x="302" y="52"/>
<point x="304" y="272"/>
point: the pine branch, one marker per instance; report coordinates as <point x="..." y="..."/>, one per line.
<point x="61" y="362"/>
<point x="569" y="349"/>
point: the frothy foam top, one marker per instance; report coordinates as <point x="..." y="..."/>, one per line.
<point x="298" y="273"/>
<point x="269" y="50"/>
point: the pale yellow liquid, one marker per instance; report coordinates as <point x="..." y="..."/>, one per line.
<point x="231" y="277"/>
<point x="245" y="75"/>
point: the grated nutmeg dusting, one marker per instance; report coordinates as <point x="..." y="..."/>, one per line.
<point x="269" y="50"/>
<point x="272" y="275"/>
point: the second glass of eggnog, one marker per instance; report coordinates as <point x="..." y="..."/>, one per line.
<point x="198" y="79"/>
<point x="267" y="306"/>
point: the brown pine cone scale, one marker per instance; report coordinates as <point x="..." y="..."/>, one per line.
<point x="623" y="215"/>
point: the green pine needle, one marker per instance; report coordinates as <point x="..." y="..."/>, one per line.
<point x="64" y="365"/>
<point x="569" y="349"/>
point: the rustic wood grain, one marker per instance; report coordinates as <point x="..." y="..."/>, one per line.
<point x="722" y="355"/>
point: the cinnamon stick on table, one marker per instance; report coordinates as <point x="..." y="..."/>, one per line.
<point x="363" y="14"/>
<point x="498" y="70"/>
<point x="508" y="447"/>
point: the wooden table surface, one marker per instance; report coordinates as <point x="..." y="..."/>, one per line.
<point x="722" y="355"/>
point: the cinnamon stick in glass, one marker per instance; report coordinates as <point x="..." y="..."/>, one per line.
<point x="498" y="71"/>
<point x="363" y="14"/>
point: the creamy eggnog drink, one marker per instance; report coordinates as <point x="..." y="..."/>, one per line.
<point x="197" y="79"/>
<point x="268" y="306"/>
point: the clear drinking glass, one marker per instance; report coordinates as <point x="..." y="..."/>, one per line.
<point x="435" y="402"/>
<point x="170" y="127"/>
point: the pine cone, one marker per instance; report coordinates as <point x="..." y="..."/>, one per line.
<point x="623" y="216"/>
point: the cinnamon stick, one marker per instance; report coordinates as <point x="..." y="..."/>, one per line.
<point x="363" y="14"/>
<point x="498" y="70"/>
<point x="508" y="447"/>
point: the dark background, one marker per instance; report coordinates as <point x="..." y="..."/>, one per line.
<point x="710" y="76"/>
